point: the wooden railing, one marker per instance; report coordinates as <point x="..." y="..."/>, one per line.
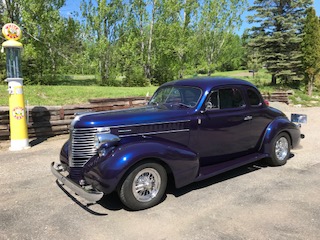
<point x="47" y="121"/>
<point x="277" y="97"/>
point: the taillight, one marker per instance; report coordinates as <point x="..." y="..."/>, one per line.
<point x="267" y="102"/>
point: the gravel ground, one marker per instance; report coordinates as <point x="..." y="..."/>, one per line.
<point x="251" y="202"/>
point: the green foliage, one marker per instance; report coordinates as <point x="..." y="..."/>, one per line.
<point x="277" y="35"/>
<point x="135" y="77"/>
<point x="232" y="54"/>
<point x="217" y="20"/>
<point x="143" y="41"/>
<point x="311" y="48"/>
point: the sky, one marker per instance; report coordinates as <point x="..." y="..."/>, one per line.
<point x="74" y="5"/>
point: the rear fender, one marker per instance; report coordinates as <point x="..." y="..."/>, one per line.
<point x="277" y="126"/>
<point x="109" y="170"/>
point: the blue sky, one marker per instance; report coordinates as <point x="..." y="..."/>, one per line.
<point x="74" y="5"/>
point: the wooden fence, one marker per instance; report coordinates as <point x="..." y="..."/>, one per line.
<point x="55" y="120"/>
<point x="277" y="97"/>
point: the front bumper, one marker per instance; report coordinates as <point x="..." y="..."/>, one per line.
<point x="86" y="192"/>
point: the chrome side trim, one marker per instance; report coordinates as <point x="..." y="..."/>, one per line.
<point x="147" y="124"/>
<point x="152" y="133"/>
<point x="90" y="195"/>
<point x="122" y="131"/>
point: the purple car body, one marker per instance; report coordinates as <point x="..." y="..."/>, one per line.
<point x="191" y="130"/>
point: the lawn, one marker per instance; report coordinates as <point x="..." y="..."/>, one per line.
<point x="68" y="95"/>
<point x="77" y="89"/>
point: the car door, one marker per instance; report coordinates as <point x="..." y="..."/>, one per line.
<point x="259" y="116"/>
<point x="223" y="126"/>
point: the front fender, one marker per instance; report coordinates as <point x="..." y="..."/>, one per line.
<point x="277" y="126"/>
<point x="106" y="172"/>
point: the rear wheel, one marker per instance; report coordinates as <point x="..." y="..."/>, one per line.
<point x="280" y="150"/>
<point x="144" y="187"/>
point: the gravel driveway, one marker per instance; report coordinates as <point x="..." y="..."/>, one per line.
<point x="252" y="202"/>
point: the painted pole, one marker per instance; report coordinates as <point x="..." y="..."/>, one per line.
<point x="18" y="123"/>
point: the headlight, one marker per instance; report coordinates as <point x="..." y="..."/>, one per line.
<point x="105" y="139"/>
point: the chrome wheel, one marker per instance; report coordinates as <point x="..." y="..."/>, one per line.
<point x="146" y="184"/>
<point x="282" y="148"/>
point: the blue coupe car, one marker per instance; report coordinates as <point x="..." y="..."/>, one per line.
<point x="190" y="130"/>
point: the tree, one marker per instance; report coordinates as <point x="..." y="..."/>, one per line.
<point x="251" y="57"/>
<point x="277" y="34"/>
<point x="136" y="43"/>
<point x="47" y="37"/>
<point x="311" y="48"/>
<point x="10" y="11"/>
<point x="232" y="53"/>
<point x="217" y="20"/>
<point x="103" y="20"/>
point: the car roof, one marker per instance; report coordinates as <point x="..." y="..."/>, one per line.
<point x="208" y="82"/>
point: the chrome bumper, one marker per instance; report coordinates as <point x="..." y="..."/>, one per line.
<point x="91" y="195"/>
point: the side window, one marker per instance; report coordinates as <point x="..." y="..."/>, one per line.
<point x="230" y="98"/>
<point x="225" y="98"/>
<point x="254" y="98"/>
<point x="213" y="101"/>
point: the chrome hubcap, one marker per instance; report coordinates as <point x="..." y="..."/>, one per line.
<point x="146" y="185"/>
<point x="282" y="147"/>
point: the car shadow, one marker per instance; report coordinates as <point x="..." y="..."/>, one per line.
<point x="177" y="192"/>
<point x="112" y="202"/>
<point x="76" y="201"/>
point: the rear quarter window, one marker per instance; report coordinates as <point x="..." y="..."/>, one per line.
<point x="254" y="98"/>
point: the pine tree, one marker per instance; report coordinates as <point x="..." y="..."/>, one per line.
<point x="311" y="48"/>
<point x="277" y="34"/>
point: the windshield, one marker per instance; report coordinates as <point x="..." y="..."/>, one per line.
<point x="177" y="96"/>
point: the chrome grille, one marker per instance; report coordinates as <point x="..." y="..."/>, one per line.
<point x="82" y="145"/>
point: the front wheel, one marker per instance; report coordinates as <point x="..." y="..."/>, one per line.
<point x="280" y="150"/>
<point x="144" y="186"/>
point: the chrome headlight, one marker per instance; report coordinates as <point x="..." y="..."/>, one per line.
<point x="105" y="139"/>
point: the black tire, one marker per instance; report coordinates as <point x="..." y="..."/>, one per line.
<point x="281" y="146"/>
<point x="152" y="178"/>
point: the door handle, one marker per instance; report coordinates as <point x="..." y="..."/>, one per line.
<point x="247" y="118"/>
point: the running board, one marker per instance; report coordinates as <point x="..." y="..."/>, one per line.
<point x="212" y="170"/>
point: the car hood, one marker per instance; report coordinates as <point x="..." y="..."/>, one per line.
<point x="131" y="116"/>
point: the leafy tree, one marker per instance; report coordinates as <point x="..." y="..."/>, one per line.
<point x="311" y="48"/>
<point x="217" y="20"/>
<point x="49" y="39"/>
<point x="277" y="34"/>
<point x="9" y="10"/>
<point x="232" y="54"/>
<point x="135" y="44"/>
<point x="103" y="20"/>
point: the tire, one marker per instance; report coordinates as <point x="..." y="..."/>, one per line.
<point x="281" y="146"/>
<point x="144" y="186"/>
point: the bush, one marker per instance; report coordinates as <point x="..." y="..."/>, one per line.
<point x="134" y="77"/>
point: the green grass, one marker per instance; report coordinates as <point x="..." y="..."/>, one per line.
<point x="77" y="89"/>
<point x="68" y="95"/>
